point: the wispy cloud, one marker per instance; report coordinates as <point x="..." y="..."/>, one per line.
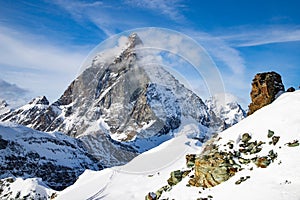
<point x="113" y="17"/>
<point x="13" y="94"/>
<point x="24" y="57"/>
<point x="248" y="36"/>
<point x="220" y="51"/>
<point x="107" y="17"/>
<point x="171" y="9"/>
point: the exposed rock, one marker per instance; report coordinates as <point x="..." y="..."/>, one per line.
<point x="177" y="176"/>
<point x="262" y="162"/>
<point x="291" y="89"/>
<point x="151" y="196"/>
<point x="242" y="179"/>
<point x="272" y="155"/>
<point x="190" y="160"/>
<point x="275" y="139"/>
<point x="213" y="167"/>
<point x="270" y="133"/>
<point x="295" y="143"/>
<point x="265" y="88"/>
<point x="246" y="137"/>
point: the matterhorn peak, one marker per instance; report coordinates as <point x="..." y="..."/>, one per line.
<point x="134" y="40"/>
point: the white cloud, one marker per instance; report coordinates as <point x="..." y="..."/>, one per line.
<point x="107" y="17"/>
<point x="169" y="8"/>
<point x="25" y="57"/>
<point x="222" y="51"/>
<point x="13" y="94"/>
<point x="248" y="36"/>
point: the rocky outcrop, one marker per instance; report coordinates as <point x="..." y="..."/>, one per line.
<point x="265" y="88"/>
<point x="213" y="167"/>
<point x="291" y="89"/>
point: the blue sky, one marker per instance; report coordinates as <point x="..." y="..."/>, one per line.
<point x="44" y="42"/>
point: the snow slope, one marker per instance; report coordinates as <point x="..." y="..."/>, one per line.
<point x="149" y="171"/>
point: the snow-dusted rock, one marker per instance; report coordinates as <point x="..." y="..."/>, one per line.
<point x="226" y="107"/>
<point x="55" y="158"/>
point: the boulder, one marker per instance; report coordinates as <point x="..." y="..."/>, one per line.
<point x="265" y="88"/>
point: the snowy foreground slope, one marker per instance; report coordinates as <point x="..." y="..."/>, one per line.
<point x="150" y="171"/>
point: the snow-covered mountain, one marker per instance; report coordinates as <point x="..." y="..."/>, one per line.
<point x="4" y="107"/>
<point x="119" y="106"/>
<point x="55" y="158"/>
<point x="226" y="107"/>
<point x="263" y="148"/>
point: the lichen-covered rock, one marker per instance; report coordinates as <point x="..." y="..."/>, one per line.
<point x="262" y="162"/>
<point x="275" y="139"/>
<point x="176" y="177"/>
<point x="213" y="167"/>
<point x="242" y="179"/>
<point x="270" y="133"/>
<point x="265" y="88"/>
<point x="246" y="137"/>
<point x="295" y="143"/>
<point x="151" y="196"/>
<point x="190" y="160"/>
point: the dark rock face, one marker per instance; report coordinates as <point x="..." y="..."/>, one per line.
<point x="265" y="87"/>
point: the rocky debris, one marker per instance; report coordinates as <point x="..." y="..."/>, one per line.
<point x="213" y="168"/>
<point x="248" y="147"/>
<point x="262" y="162"/>
<point x="151" y="196"/>
<point x="291" y="89"/>
<point x="295" y="143"/>
<point x="190" y="160"/>
<point x="245" y="138"/>
<point x="158" y="193"/>
<point x="242" y="179"/>
<point x="177" y="176"/>
<point x="272" y="155"/>
<point x="275" y="139"/>
<point x="270" y="133"/>
<point x="265" y="88"/>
